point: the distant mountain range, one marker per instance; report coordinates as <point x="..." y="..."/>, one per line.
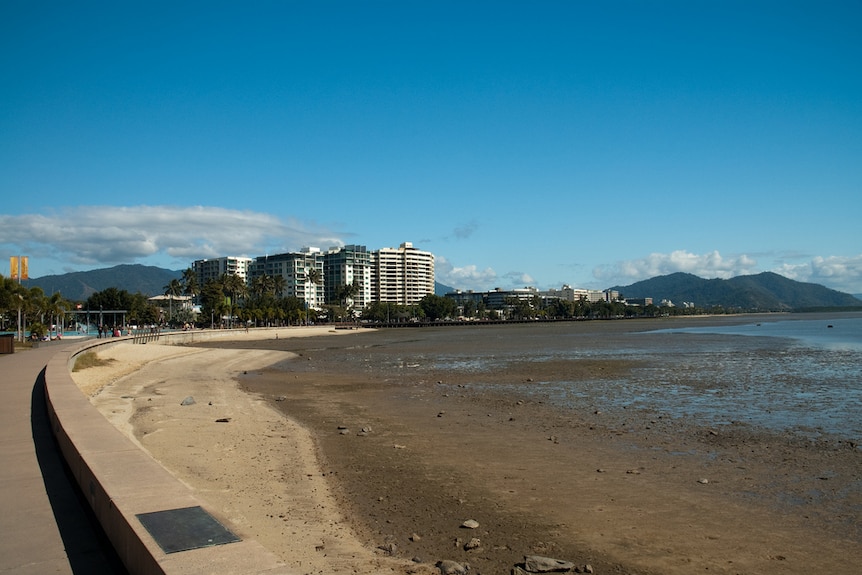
<point x="761" y="292"/>
<point x="134" y="278"/>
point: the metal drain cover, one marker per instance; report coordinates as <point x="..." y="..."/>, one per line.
<point x="186" y="528"/>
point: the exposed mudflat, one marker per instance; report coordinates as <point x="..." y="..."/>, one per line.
<point x="392" y="439"/>
<point x="413" y="449"/>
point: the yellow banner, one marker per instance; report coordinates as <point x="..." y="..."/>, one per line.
<point x="25" y="264"/>
<point x="13" y="267"/>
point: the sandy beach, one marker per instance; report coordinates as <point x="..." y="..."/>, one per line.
<point x="257" y="467"/>
<point x="336" y="471"/>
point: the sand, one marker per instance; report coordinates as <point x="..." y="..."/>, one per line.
<point x="258" y="469"/>
<point x="325" y="466"/>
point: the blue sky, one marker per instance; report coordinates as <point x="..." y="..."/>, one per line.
<point x="544" y="143"/>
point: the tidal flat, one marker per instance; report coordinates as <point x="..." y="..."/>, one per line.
<point x="627" y="445"/>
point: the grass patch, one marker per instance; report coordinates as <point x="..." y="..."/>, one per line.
<point x="90" y="359"/>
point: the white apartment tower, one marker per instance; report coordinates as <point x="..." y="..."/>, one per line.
<point x="348" y="265"/>
<point x="402" y="276"/>
<point x="215" y="268"/>
<point x="295" y="268"/>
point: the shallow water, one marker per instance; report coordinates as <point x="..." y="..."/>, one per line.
<point x="803" y="375"/>
<point x="795" y="375"/>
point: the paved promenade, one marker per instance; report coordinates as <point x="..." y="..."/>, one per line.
<point x="44" y="527"/>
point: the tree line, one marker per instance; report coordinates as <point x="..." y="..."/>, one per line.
<point x="228" y="301"/>
<point x="34" y="308"/>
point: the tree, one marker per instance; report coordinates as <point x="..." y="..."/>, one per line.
<point x="345" y="294"/>
<point x="561" y="308"/>
<point x="17" y="300"/>
<point x="139" y="310"/>
<point x="234" y="286"/>
<point x="315" y="278"/>
<point x="190" y="283"/>
<point x="378" y="311"/>
<point x="469" y="308"/>
<point x="213" y="300"/>
<point x="172" y="290"/>
<point x="56" y="309"/>
<point x="262" y="286"/>
<point x="436" y="307"/>
<point x="279" y="283"/>
<point x="291" y="308"/>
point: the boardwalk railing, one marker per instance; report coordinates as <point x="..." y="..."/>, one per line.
<point x="146" y="335"/>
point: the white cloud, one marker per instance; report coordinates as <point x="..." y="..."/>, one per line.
<point x="467" y="277"/>
<point x="709" y="265"/>
<point x="108" y="235"/>
<point x="843" y="273"/>
<point x="471" y="277"/>
<point x="520" y="279"/>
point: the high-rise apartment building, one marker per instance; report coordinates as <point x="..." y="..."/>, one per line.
<point x="402" y="275"/>
<point x="213" y="269"/>
<point x="295" y="268"/>
<point x="349" y="265"/>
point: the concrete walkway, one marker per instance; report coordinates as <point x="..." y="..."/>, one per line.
<point x="44" y="526"/>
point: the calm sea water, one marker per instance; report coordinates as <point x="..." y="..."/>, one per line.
<point x="796" y="375"/>
<point x="802" y="374"/>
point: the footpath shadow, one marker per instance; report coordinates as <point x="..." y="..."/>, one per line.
<point x="87" y="547"/>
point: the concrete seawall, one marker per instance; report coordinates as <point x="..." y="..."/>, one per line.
<point x="121" y="483"/>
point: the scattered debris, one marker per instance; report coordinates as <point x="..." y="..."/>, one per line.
<point x="539" y="564"/>
<point x="447" y="567"/>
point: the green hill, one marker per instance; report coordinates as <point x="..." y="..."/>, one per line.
<point x="761" y="292"/>
<point x="135" y="278"/>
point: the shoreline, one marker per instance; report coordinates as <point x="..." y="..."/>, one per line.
<point x="257" y="468"/>
<point x="537" y="480"/>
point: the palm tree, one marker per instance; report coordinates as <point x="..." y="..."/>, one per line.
<point x="315" y="278"/>
<point x="346" y="293"/>
<point x="56" y="308"/>
<point x="278" y="285"/>
<point x="260" y="286"/>
<point x="233" y="285"/>
<point x="172" y="290"/>
<point x="191" y="287"/>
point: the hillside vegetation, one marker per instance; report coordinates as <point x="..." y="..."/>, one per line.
<point x="765" y="291"/>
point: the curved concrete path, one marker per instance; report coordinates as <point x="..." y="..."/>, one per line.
<point x="44" y="525"/>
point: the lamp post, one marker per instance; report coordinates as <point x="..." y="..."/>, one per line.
<point x="20" y="327"/>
